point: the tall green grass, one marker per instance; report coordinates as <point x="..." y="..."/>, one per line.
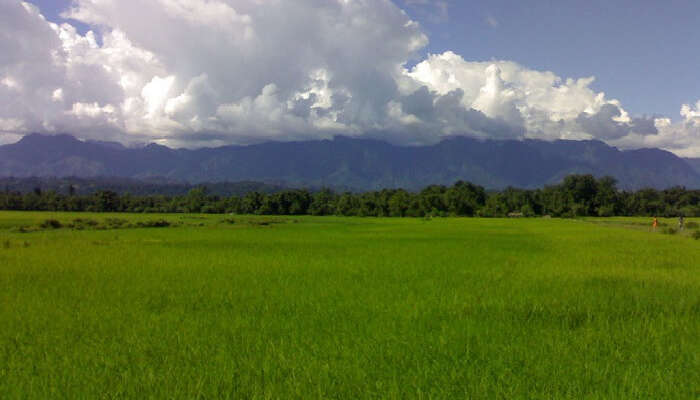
<point x="347" y="308"/>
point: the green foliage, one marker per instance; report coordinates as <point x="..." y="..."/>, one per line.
<point x="576" y="196"/>
<point x="115" y="223"/>
<point x="102" y="224"/>
<point x="607" y="210"/>
<point x="692" y="225"/>
<point x="670" y="231"/>
<point x="106" y="201"/>
<point x="527" y="210"/>
<point x="695" y="235"/>
<point x="323" y="203"/>
<point x="196" y="199"/>
<point x="156" y="223"/>
<point x="50" y="224"/>
<point x="83" y="223"/>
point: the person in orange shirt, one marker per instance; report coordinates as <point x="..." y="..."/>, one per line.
<point x="655" y="224"/>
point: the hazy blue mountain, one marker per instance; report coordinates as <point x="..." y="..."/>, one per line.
<point x="695" y="163"/>
<point x="353" y="163"/>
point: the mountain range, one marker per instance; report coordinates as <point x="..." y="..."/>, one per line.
<point x="359" y="164"/>
<point x="695" y="163"/>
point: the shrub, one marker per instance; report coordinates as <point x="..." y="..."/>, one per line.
<point x="82" y="223"/>
<point x="567" y="214"/>
<point x="527" y="210"/>
<point x="692" y="225"/>
<point x="606" y="211"/>
<point x="230" y="221"/>
<point x="209" y="210"/>
<point x="265" y="222"/>
<point x="50" y="224"/>
<point x="157" y="223"/>
<point x="579" y="210"/>
<point x="114" y="223"/>
<point x="6" y="244"/>
<point x="696" y="235"/>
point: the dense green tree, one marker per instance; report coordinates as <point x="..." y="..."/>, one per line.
<point x="106" y="201"/>
<point x="607" y="200"/>
<point x="196" y="198"/>
<point x="432" y="200"/>
<point x="399" y="203"/>
<point x="251" y="203"/>
<point x="577" y="195"/>
<point x="464" y="199"/>
<point x="323" y="202"/>
<point x="347" y="204"/>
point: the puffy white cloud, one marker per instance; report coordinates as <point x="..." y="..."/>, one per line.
<point x="682" y="138"/>
<point x="533" y="104"/>
<point x="220" y="56"/>
<point x="691" y="113"/>
<point x="610" y="123"/>
<point x="210" y="72"/>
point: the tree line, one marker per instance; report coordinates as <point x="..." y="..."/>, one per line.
<point x="576" y="195"/>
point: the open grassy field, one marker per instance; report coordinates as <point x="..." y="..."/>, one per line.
<point x="272" y="307"/>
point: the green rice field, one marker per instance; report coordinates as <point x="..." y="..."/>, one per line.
<point x="219" y="306"/>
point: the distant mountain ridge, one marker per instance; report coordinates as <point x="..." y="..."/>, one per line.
<point x="362" y="164"/>
<point x="695" y="163"/>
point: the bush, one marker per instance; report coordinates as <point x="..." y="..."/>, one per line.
<point x="670" y="231"/>
<point x="229" y="221"/>
<point x="157" y="223"/>
<point x="696" y="235"/>
<point x="690" y="211"/>
<point x="606" y="211"/>
<point x="114" y="223"/>
<point x="210" y="210"/>
<point x="265" y="222"/>
<point x="82" y="223"/>
<point x="567" y="214"/>
<point x="50" y="224"/>
<point x="6" y="244"/>
<point x="527" y="210"/>
<point x="692" y="225"/>
<point x="579" y="210"/>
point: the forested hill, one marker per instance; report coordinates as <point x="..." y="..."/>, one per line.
<point x="361" y="164"/>
<point x="149" y="187"/>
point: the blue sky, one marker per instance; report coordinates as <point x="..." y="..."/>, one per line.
<point x="52" y="10"/>
<point x="211" y="72"/>
<point x="642" y="52"/>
